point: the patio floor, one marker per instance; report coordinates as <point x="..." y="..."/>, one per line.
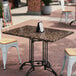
<point x="56" y="49"/>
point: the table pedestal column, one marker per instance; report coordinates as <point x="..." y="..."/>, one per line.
<point x="44" y="62"/>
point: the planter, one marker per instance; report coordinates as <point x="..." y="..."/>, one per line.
<point x="11" y="5"/>
<point x="46" y="10"/>
<point x="73" y="1"/>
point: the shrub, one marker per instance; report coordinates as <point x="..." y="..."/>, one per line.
<point x="0" y="9"/>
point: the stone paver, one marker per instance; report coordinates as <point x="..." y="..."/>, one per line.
<point x="56" y="49"/>
<point x="19" y="15"/>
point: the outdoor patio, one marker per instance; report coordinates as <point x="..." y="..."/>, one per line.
<point x="56" y="49"/>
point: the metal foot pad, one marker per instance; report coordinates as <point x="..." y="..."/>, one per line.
<point x="30" y="70"/>
<point x="25" y="63"/>
<point x="49" y="68"/>
<point x="46" y="65"/>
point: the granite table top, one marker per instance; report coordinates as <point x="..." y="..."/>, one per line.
<point x="49" y="34"/>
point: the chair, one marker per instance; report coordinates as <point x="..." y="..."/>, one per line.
<point x="70" y="54"/>
<point x="6" y="43"/>
<point x="66" y="13"/>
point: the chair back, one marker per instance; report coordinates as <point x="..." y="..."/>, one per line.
<point x="1" y="28"/>
<point x="62" y="5"/>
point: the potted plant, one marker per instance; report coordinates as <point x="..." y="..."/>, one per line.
<point x="46" y="8"/>
<point x="73" y="1"/>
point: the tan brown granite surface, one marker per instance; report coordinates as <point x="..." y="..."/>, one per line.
<point x="30" y="32"/>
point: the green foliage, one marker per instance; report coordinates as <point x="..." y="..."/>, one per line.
<point x="0" y="9"/>
<point x="46" y="2"/>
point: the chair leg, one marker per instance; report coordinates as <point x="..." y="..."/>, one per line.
<point x="4" y="54"/>
<point x="69" y="67"/>
<point x="18" y="53"/>
<point x="73" y="15"/>
<point x="61" y="17"/>
<point x="66" y="17"/>
<point x="63" y="66"/>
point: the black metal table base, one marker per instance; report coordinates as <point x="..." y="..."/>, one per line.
<point x="43" y="62"/>
<point x="46" y="65"/>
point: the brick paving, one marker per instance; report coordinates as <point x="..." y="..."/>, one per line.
<point x="56" y="49"/>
